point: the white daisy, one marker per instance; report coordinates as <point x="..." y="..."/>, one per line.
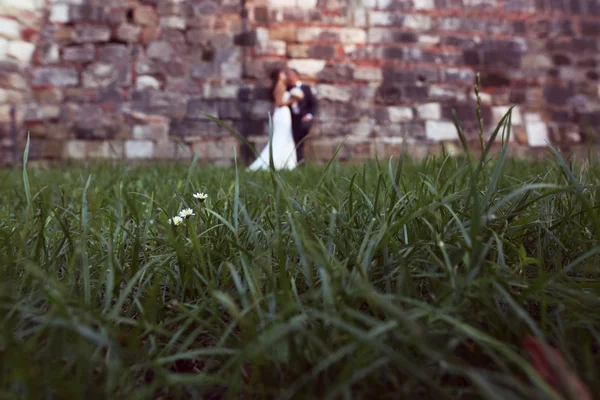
<point x="176" y="221"/>
<point x="201" y="196"/>
<point x="188" y="212"/>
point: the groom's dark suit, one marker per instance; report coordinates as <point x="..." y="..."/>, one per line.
<point x="308" y="105"/>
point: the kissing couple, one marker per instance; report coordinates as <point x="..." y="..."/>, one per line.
<point x="292" y="118"/>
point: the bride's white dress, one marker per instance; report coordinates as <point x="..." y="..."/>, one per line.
<point x="284" y="147"/>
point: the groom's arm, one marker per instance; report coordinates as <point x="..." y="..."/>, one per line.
<point x="311" y="102"/>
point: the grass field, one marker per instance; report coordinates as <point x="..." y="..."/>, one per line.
<point x="386" y="280"/>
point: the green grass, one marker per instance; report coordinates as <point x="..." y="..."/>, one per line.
<point x="386" y="280"/>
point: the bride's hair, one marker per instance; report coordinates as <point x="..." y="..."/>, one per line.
<point x="274" y="82"/>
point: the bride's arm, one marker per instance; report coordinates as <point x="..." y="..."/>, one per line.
<point x="278" y="94"/>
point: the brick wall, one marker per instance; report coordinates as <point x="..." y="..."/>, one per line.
<point x="133" y="79"/>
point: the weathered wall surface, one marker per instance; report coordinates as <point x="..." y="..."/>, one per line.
<point x="133" y="79"/>
<point x="20" y="22"/>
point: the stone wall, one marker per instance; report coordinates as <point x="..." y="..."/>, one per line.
<point x="133" y="79"/>
<point x="20" y="22"/>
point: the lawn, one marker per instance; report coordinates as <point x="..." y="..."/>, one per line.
<point x="391" y="279"/>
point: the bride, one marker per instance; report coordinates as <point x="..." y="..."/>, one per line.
<point x="284" y="147"/>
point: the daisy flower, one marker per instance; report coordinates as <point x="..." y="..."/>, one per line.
<point x="188" y="212"/>
<point x="201" y="196"/>
<point x="175" y="221"/>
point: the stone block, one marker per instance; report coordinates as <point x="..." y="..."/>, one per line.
<point x="498" y="113"/>
<point x="139" y="149"/>
<point x="81" y="95"/>
<point x="440" y="130"/>
<point x="308" y="67"/>
<point x="128" y="33"/>
<point x="145" y="66"/>
<point x="261" y="109"/>
<point x="286" y="33"/>
<point x="37" y="113"/>
<point x="64" y="35"/>
<point x="334" y="93"/>
<point x="424" y="4"/>
<point x="368" y="74"/>
<point x="13" y="80"/>
<point x="387" y="35"/>
<point x="205" y="70"/>
<point x="223" y="91"/>
<point x="147" y="82"/>
<point x="457" y="75"/>
<point x="590" y="28"/>
<point x="400" y="114"/>
<point x="320" y="149"/>
<point x="271" y="48"/>
<point x="418" y="22"/>
<point x="160" y="50"/>
<point x="12" y="96"/>
<point x="21" y="51"/>
<point x="48" y="96"/>
<point x="151" y="102"/>
<point x="172" y="150"/>
<point x="429" y="111"/>
<point x="389" y="147"/>
<point x="115" y="54"/>
<point x="99" y="75"/>
<point x="91" y="34"/>
<point x="59" y="13"/>
<point x="298" y="50"/>
<point x="45" y="149"/>
<point x="75" y="150"/>
<point x="261" y="68"/>
<point x="557" y="95"/>
<point x="9" y="29"/>
<point x="535" y="62"/>
<point x="309" y="4"/>
<point x="149" y="34"/>
<point x="89" y="121"/>
<point x="173" y="22"/>
<point x="57" y="132"/>
<point x="145" y="16"/>
<point x="331" y="111"/>
<point x="336" y="73"/>
<point x="537" y="130"/>
<point x="106" y="150"/>
<point x="165" y="8"/>
<point x="360" y="129"/>
<point x="217" y="149"/>
<point x="3" y="48"/>
<point x="155" y="132"/>
<point x="91" y="13"/>
<point x="446" y="93"/>
<point x="336" y="35"/>
<point x="193" y="130"/>
<point x="197" y="107"/>
<point x="48" y="53"/>
<point x="229" y="110"/>
<point x="317" y="51"/>
<point x="5" y="113"/>
<point x="83" y="53"/>
<point x="55" y="76"/>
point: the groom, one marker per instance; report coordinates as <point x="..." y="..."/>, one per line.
<point x="303" y="112"/>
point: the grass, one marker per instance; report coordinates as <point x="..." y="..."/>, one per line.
<point x="391" y="279"/>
